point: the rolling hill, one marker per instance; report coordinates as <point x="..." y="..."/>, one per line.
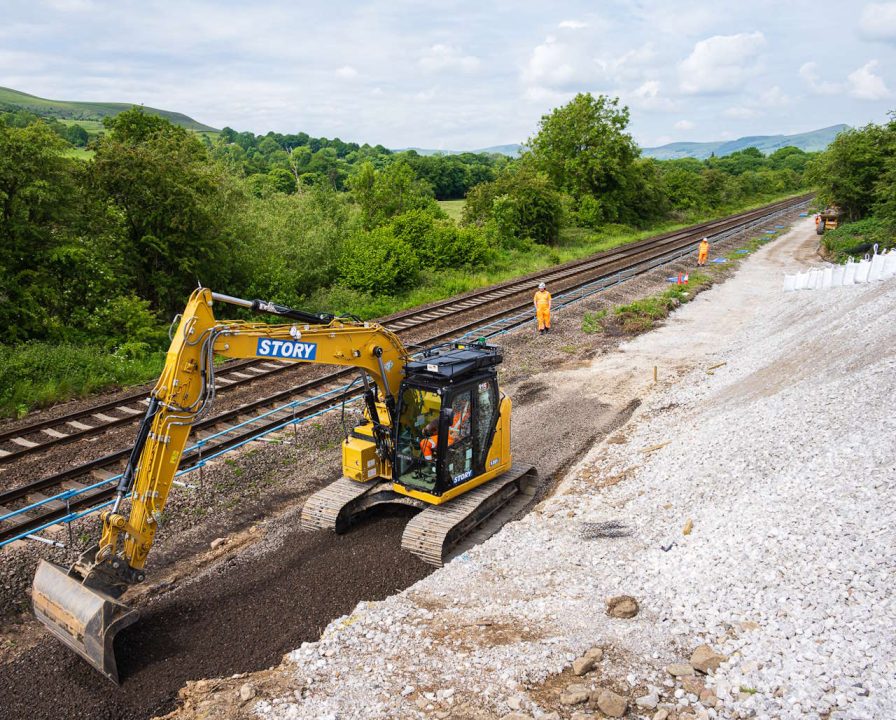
<point x="809" y="141"/>
<point x="92" y="111"/>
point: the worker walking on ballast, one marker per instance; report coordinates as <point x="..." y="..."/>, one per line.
<point x="542" y="303"/>
<point x="702" y="252"/>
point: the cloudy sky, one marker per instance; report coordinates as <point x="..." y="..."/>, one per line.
<point x="462" y="75"/>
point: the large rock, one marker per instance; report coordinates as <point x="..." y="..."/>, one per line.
<point x="247" y="692"/>
<point x="574" y="695"/>
<point x="595" y="653"/>
<point x="622" y="606"/>
<point x="679" y="670"/>
<point x="648" y="702"/>
<point x="582" y="665"/>
<point x="706" y="660"/>
<point x="612" y="704"/>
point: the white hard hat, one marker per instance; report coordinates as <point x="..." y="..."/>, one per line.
<point x="541" y="286"/>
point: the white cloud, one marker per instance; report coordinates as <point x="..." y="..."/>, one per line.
<point x="347" y="72"/>
<point x="866" y="85"/>
<point x="558" y="65"/>
<point x="684" y="125"/>
<point x="741" y="113"/>
<point x="809" y="73"/>
<point x="721" y="64"/>
<point x="70" y="5"/>
<point x="573" y="25"/>
<point x="774" y="97"/>
<point x="447" y="57"/>
<point x="878" y="21"/>
<point x="648" y="97"/>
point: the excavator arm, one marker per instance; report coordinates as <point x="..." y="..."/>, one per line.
<point x="80" y="605"/>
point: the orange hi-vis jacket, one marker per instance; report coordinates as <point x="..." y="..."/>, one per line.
<point x="703" y="251"/>
<point x="429" y="444"/>
<point x="543" y="309"/>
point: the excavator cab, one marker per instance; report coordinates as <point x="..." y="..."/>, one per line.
<point x="448" y="410"/>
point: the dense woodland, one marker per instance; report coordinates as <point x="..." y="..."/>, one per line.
<point x="97" y="255"/>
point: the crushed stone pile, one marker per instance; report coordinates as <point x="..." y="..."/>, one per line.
<point x="747" y="507"/>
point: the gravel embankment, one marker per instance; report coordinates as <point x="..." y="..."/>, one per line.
<point x="752" y="492"/>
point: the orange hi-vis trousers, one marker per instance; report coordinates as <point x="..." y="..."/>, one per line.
<point x="543" y="309"/>
<point x="703" y="254"/>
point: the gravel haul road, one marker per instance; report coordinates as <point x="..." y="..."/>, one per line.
<point x="745" y="508"/>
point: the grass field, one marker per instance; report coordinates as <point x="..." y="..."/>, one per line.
<point x="93" y="127"/>
<point x="74" y="110"/>
<point x="454" y="208"/>
<point x="79" y="153"/>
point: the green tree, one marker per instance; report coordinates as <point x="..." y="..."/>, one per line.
<point x="522" y="201"/>
<point x="38" y="200"/>
<point x="174" y="206"/>
<point x="383" y="194"/>
<point x="847" y="172"/>
<point x="584" y="148"/>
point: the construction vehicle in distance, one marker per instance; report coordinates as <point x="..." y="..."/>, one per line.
<point x="435" y="435"/>
<point x="827" y="219"/>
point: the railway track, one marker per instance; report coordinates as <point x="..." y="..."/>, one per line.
<point x="36" y="504"/>
<point x="38" y="437"/>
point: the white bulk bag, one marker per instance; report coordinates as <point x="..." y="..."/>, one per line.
<point x="849" y="272"/>
<point x="789" y="283"/>
<point x="827" y="278"/>
<point x="862" y="271"/>
<point x="837" y="275"/>
<point x="877" y="268"/>
<point x="890" y="263"/>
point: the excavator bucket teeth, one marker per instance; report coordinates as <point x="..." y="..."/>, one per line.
<point x="86" y="620"/>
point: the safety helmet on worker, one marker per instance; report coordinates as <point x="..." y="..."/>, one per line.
<point x="541" y="286"/>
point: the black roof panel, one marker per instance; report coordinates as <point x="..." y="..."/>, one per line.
<point x="454" y="361"/>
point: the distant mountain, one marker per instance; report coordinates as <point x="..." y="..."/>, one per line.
<point x="809" y="141"/>
<point x="512" y="150"/>
<point x="66" y="110"/>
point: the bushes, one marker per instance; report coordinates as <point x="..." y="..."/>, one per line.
<point x="521" y="203"/>
<point x="856" y="239"/>
<point x="377" y="262"/>
<point x="440" y="244"/>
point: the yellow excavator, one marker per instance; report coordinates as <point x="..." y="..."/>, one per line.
<point x="434" y="435"/>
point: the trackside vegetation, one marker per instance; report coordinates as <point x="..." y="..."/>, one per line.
<point x="857" y="173"/>
<point x="98" y="254"/>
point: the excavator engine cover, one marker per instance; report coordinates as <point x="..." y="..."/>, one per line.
<point x="85" y="619"/>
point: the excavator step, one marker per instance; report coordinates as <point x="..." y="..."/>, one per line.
<point x="470" y="518"/>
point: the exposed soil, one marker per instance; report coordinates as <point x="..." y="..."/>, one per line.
<point x="256" y="599"/>
<point x="239" y="617"/>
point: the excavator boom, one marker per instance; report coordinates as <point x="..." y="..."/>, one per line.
<point x="80" y="605"/>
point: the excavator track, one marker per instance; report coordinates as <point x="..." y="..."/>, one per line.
<point x="469" y="519"/>
<point x="325" y="509"/>
<point x="438" y="529"/>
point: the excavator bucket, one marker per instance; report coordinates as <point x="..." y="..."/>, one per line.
<point x="86" y="620"/>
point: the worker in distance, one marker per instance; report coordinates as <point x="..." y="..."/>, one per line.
<point x="542" y="302"/>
